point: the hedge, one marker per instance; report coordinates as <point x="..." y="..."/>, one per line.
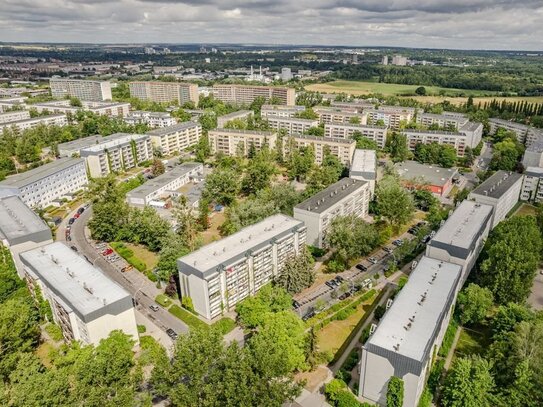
<point x="163" y="300"/>
<point x="448" y="338"/>
<point x="185" y="316"/>
<point x="224" y="325"/>
<point x="128" y="255"/>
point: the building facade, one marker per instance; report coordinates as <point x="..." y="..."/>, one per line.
<point x="533" y="155"/>
<point x="391" y="116"/>
<point x="364" y="167"/>
<point x="14" y="116"/>
<point x="25" y="124"/>
<point x="343" y="149"/>
<point x="336" y="115"/>
<point x="85" y="303"/>
<point x="82" y="89"/>
<point x="165" y="92"/>
<point x="447" y="120"/>
<point x="101" y="108"/>
<point x="280" y="111"/>
<point x="457" y="140"/>
<point x="152" y="119"/>
<point x="375" y="133"/>
<point x="240" y="114"/>
<point x="239" y="142"/>
<point x="532" y="185"/>
<point x="346" y="197"/>
<point x="178" y="137"/>
<point x="291" y="125"/>
<point x="435" y="179"/>
<point x="219" y="275"/>
<point x="246" y="94"/>
<point x="41" y="186"/>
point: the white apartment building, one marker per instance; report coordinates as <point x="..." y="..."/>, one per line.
<point x="410" y="333"/>
<point x="364" y="167"/>
<point x="458" y="140"/>
<point x="240" y="114"/>
<point x="346" y="197"/>
<point x="280" y="111"/>
<point x="343" y="149"/>
<point x="532" y="185"/>
<point x="533" y="155"/>
<point x="246" y="94"/>
<point x="14" y="116"/>
<point x="120" y="109"/>
<point x="234" y="142"/>
<point x="85" y="303"/>
<point x="501" y="191"/>
<point x="118" y="153"/>
<point x="355" y="105"/>
<point x="219" y="275"/>
<point x="152" y="119"/>
<point x="399" y="60"/>
<point x="446" y="120"/>
<point x="41" y="186"/>
<point x="163" y="185"/>
<point x="21" y="229"/>
<point x="165" y="92"/>
<point x="329" y="115"/>
<point x="172" y="139"/>
<point x="292" y="125"/>
<point x="391" y="116"/>
<point x="82" y="89"/>
<point x="25" y="124"/>
<point x="346" y="131"/>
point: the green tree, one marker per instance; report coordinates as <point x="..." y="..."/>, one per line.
<point x="157" y="168"/>
<point x="173" y="247"/>
<point x="474" y="303"/>
<point x="259" y="172"/>
<point x="363" y="142"/>
<point x="300" y="162"/>
<point x="395" y="392"/>
<point x="308" y="113"/>
<point x="297" y="273"/>
<point x="421" y="91"/>
<point x="351" y="237"/>
<point x="202" y="149"/>
<point x="254" y="310"/>
<point x="506" y="155"/>
<point x="222" y="186"/>
<point x="394" y="203"/>
<point x="397" y="147"/>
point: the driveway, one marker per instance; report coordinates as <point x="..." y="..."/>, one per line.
<point x="536" y="296"/>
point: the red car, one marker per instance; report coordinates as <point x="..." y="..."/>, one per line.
<point x="77" y="215"/>
<point x="107" y="252"/>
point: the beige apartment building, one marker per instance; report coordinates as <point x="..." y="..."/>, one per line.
<point x="280" y="111"/>
<point x="101" y="108"/>
<point x="97" y="91"/>
<point x="238" y="142"/>
<point x="246" y="94"/>
<point x="165" y="92"/>
<point x="14" y="115"/>
<point x="329" y="115"/>
<point x="375" y="133"/>
<point x="178" y="137"/>
<point x="292" y="125"/>
<point x="54" y="119"/>
<point x="392" y="116"/>
<point x="343" y="149"/>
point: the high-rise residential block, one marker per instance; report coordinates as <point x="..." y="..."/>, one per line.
<point x="239" y="142"/>
<point x="292" y="125"/>
<point x="176" y="138"/>
<point x="246" y="94"/>
<point x="347" y="131"/>
<point x="80" y="88"/>
<point x="165" y="92"/>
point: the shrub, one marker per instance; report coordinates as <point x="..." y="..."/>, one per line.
<point x="347" y="399"/>
<point x="332" y="389"/>
<point x="425" y="399"/>
<point x="142" y="329"/>
<point x="335" y="266"/>
<point x="379" y="312"/>
<point x="54" y="332"/>
<point x="189" y="319"/>
<point x="224" y="325"/>
<point x="351" y="360"/>
<point x="448" y="338"/>
<point x="435" y="375"/>
<point x="186" y="302"/>
<point x="163" y="300"/>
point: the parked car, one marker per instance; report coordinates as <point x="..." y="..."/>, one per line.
<point x="81" y="210"/>
<point x="154" y="307"/>
<point x="344" y="295"/>
<point x="107" y="252"/>
<point x="76" y="215"/>
<point x="71" y="221"/>
<point x="388" y="249"/>
<point x="73" y="248"/>
<point x="171" y="333"/>
<point x="425" y="239"/>
<point x="310" y="314"/>
<point x="296" y="304"/>
<point x="361" y="267"/>
<point x="339" y="279"/>
<point x="397" y="242"/>
<point x="367" y="283"/>
<point x="372" y="260"/>
<point x="331" y="283"/>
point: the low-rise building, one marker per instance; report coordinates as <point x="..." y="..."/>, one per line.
<point x="347" y="130"/>
<point x="165" y="92"/>
<point x="532" y="185"/>
<point x="234" y="142"/>
<point x="240" y="114"/>
<point x="410" y="333"/>
<point x="164" y="185"/>
<point x="346" y="197"/>
<point x="519" y="129"/>
<point x="152" y="119"/>
<point x="246" y="94"/>
<point x="437" y="180"/>
<point x="280" y="111"/>
<point x="82" y="89"/>
<point x="461" y="238"/>
<point x="364" y="167"/>
<point x="501" y="191"/>
<point x="85" y="303"/>
<point x="343" y="149"/>
<point x="117" y="153"/>
<point x="14" y="116"/>
<point x="21" y="229"/>
<point x="117" y="109"/>
<point x="41" y="186"/>
<point x="172" y="139"/>
<point x="292" y="125"/>
<point x="329" y="115"/>
<point x="219" y="275"/>
<point x="20" y="125"/>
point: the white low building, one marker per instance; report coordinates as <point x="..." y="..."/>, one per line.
<point x="268" y="111"/>
<point x="152" y="119"/>
<point x="292" y="125"/>
<point x="14" y="115"/>
<point x="115" y="109"/>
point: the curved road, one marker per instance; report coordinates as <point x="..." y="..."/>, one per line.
<point x="143" y="290"/>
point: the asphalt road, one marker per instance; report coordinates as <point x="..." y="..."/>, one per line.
<point x="143" y="290"/>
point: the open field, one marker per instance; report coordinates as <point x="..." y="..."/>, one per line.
<point x="360" y="88"/>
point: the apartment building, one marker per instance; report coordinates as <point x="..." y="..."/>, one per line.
<point x="14" y="116"/>
<point x="355" y="105"/>
<point x="329" y="115"/>
<point x="346" y="130"/>
<point x="346" y="197"/>
<point x="117" y="109"/>
<point x="85" y="303"/>
<point x="240" y="114"/>
<point x="152" y="119"/>
<point x="43" y="185"/>
<point x="519" y="129"/>
<point x="532" y="185"/>
<point x="343" y="149"/>
<point x="25" y="124"/>
<point x="410" y="333"/>
<point x="219" y="275"/>
<point x="97" y="91"/>
<point x="165" y="92"/>
<point x="21" y="229"/>
<point x="501" y="191"/>
<point x="458" y="140"/>
<point x="392" y="116"/>
<point x="461" y="238"/>
<point x="246" y="94"/>
<point x="117" y="153"/>
<point x="172" y="139"/>
<point x="364" y="167"/>
<point x="280" y="111"/>
<point x="163" y="185"/>
<point x="291" y="125"/>
<point x="533" y="155"/>
<point x="446" y="120"/>
<point x="238" y="142"/>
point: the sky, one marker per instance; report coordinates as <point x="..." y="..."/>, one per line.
<point x="456" y="24"/>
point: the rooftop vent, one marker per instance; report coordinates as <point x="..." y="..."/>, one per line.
<point x="396" y="347"/>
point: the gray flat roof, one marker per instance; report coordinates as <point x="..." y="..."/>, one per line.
<point x="471" y="126"/>
<point x="36" y="174"/>
<point x="509" y="123"/>
<point x="411" y="325"/>
<point x="443" y="132"/>
<point x="462" y="230"/>
<point x="292" y="119"/>
<point x="534" y="171"/>
<point x="364" y="161"/>
<point x="114" y="140"/>
<point x="498" y="184"/>
<point x="328" y="197"/>
<point x="236" y="114"/>
<point x="536" y="146"/>
<point x="295" y="108"/>
<point x="412" y="170"/>
<point x="445" y="115"/>
<point x="83" y="287"/>
<point x="207" y="259"/>
<point x="357" y="126"/>
<point x="18" y="223"/>
<point x="172" y="129"/>
<point x="156" y="183"/>
<point x="245" y="132"/>
<point x="81" y="143"/>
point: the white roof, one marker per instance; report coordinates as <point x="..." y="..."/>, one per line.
<point x="364" y="161"/>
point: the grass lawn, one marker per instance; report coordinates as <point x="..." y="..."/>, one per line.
<point x="212" y="234"/>
<point x="525" y="210"/>
<point x="43" y="352"/>
<point x="141" y="252"/>
<point x="473" y="341"/>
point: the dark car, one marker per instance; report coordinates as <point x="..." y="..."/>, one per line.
<point x="73" y="248"/>
<point x="71" y="221"/>
<point x="388" y="249"/>
<point x="361" y="267"/>
<point x="345" y="295"/>
<point x="308" y="315"/>
<point x="296" y="304"/>
<point x="81" y="210"/>
<point x="171" y="333"/>
<point x="331" y="283"/>
<point x="339" y="279"/>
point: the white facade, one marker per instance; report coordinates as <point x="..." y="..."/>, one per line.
<point x="85" y="303"/>
<point x="391" y="116"/>
<point x="345" y="197"/>
<point x="364" y="167"/>
<point x="233" y="142"/>
<point x="100" y="108"/>
<point x="459" y="140"/>
<point x="532" y="185"/>
<point x="246" y="94"/>
<point x="165" y="92"/>
<point x="14" y="115"/>
<point x="240" y="114"/>
<point x="221" y="274"/>
<point x="152" y="119"/>
<point x="280" y="111"/>
<point x="329" y="115"/>
<point x="80" y="88"/>
<point x="292" y="125"/>
<point x="41" y="186"/>
<point x="20" y="125"/>
<point x="375" y="133"/>
<point x="172" y="139"/>
<point x="448" y="120"/>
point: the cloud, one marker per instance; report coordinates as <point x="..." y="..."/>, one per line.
<point x="482" y="24"/>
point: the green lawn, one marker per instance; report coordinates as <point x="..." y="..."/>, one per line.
<point x="525" y="210"/>
<point x="473" y="341"/>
